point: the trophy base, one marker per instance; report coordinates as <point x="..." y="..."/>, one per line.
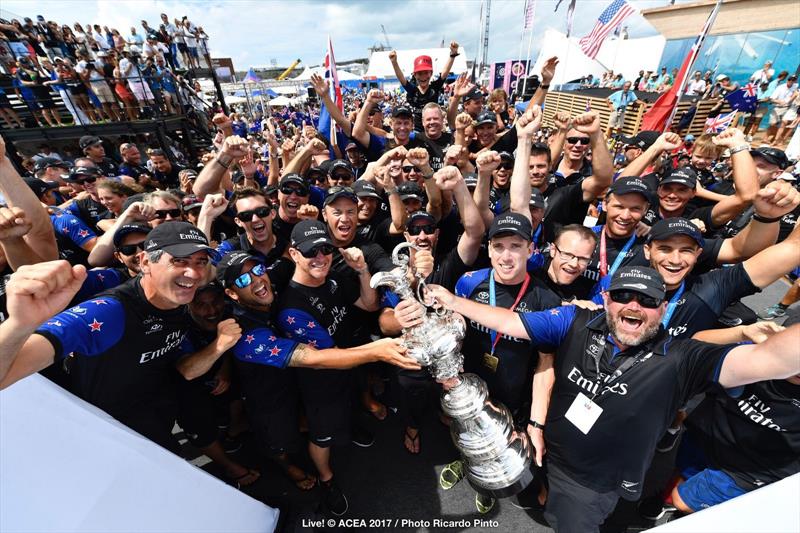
<point x="525" y="479"/>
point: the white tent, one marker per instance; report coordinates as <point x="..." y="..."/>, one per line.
<point x="625" y="56"/>
<point x="381" y="67"/>
<point x="306" y="74"/>
<point x="280" y="101"/>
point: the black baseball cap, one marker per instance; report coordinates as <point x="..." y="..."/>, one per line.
<point x="511" y="223"/>
<point x="340" y="164"/>
<point x="89" y="140"/>
<point x="420" y="215"/>
<point x="127" y="229"/>
<point x="365" y="189"/>
<point x="664" y="229"/>
<point x="78" y="173"/>
<point x="409" y="190"/>
<point x="49" y="162"/>
<point x="39" y="187"/>
<point x="629" y="184"/>
<point x="486" y="117"/>
<point x="473" y="94"/>
<point x="230" y="266"/>
<point x="334" y="193"/>
<point x="178" y="239"/>
<point x="308" y="234"/>
<point x="402" y="111"/>
<point x="643" y="280"/>
<point x="772" y="155"/>
<point x="190" y="201"/>
<point x="537" y="200"/>
<point x="294" y="178"/>
<point x="506" y="156"/>
<point x="643" y="139"/>
<point x="683" y="176"/>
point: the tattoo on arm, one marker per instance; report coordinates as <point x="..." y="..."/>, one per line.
<point x="299" y="355"/>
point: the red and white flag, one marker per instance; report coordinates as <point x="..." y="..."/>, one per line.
<point x="719" y="123"/>
<point x="332" y="76"/>
<point x="610" y="18"/>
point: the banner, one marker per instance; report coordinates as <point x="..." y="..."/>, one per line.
<point x="505" y="74"/>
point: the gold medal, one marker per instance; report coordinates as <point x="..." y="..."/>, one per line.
<point x="490" y="361"/>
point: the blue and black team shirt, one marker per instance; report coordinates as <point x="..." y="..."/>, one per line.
<point x="638" y="406"/>
<point x="98" y="280"/>
<point x="72" y="234"/>
<point x="510" y="381"/>
<point x="121" y="349"/>
<point x="89" y="211"/>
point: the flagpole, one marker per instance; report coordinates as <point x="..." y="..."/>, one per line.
<point x="710" y="23"/>
<point x="528" y="54"/>
<point x="522" y="38"/>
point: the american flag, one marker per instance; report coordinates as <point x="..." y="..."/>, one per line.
<point x="530" y="9"/>
<point x="719" y="123"/>
<point x="609" y="19"/>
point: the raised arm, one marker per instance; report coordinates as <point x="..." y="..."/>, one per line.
<point x="102" y="254"/>
<point x="745" y="177"/>
<point x="322" y="87"/>
<point x="389" y="351"/>
<point x="548" y="71"/>
<point x="398" y="72"/>
<point x="527" y="125"/>
<point x="602" y="165"/>
<point x="210" y="179"/>
<point x="450" y="60"/>
<point x="302" y="159"/>
<point x="665" y="142"/>
<point x="14" y="226"/>
<point x="776" y="358"/>
<point x="354" y="257"/>
<point x="562" y="122"/>
<point x="450" y="179"/>
<point x="461" y="87"/>
<point x="487" y="162"/>
<point x="194" y="365"/>
<point x="360" y="133"/>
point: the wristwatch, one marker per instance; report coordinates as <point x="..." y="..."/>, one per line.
<point x="535" y="424"/>
<point x="740" y="148"/>
<point x="765" y="220"/>
<point x="428" y="176"/>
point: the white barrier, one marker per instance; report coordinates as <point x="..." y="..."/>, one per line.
<point x="67" y="466"/>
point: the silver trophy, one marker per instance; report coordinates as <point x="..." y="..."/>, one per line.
<point x="496" y="456"/>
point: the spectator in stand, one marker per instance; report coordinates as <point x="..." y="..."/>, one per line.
<point x="134" y="39"/>
<point x="779" y="119"/>
<point x="764" y="74"/>
<point x="78" y="91"/>
<point x="202" y="45"/>
<point x="35" y="94"/>
<point x="130" y="71"/>
<point x="697" y="85"/>
<point x="179" y="37"/>
<point x="93" y="74"/>
<point x="618" y="82"/>
<point x="652" y="83"/>
<point x="7" y="110"/>
<point x="618" y="103"/>
<point x="754" y="119"/>
<point x="191" y="42"/>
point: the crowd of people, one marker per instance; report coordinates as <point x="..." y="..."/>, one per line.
<point x="99" y="73"/>
<point x="602" y="294"/>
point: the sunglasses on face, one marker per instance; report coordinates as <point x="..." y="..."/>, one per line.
<point x="260" y="212"/>
<point x="326" y="249"/>
<point x="624" y="297"/>
<point x="130" y="249"/>
<point x="90" y="179"/>
<point x="429" y="229"/>
<point x="244" y="280"/>
<point x="164" y="213"/>
<point x="505" y="166"/>
<point x="409" y="168"/>
<point x="575" y="140"/>
<point x="288" y="189"/>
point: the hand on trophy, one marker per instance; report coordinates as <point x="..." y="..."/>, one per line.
<point x="409" y="313"/>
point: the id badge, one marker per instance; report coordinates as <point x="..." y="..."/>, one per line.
<point x="583" y="413"/>
<point x="490" y="361"/>
<point x="589" y="221"/>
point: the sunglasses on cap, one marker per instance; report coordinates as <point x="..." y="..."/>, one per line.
<point x="164" y="213"/>
<point x="429" y="229"/>
<point x="339" y="188"/>
<point x="576" y="140"/>
<point x="260" y="212"/>
<point x="326" y="249"/>
<point x="624" y="297"/>
<point x="409" y="168"/>
<point x="130" y="249"/>
<point x="244" y="280"/>
<point x="288" y="189"/>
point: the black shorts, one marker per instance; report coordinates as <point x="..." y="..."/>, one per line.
<point x="327" y="396"/>
<point x="77" y="89"/>
<point x="276" y="428"/>
<point x="183" y="48"/>
<point x="196" y="413"/>
<point x="573" y="507"/>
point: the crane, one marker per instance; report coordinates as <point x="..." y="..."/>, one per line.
<point x="388" y="44"/>
<point x="289" y="70"/>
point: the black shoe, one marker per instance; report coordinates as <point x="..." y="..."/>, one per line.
<point x="669" y="440"/>
<point x="334" y="498"/>
<point x="654" y="508"/>
<point x="232" y="444"/>
<point x="361" y="437"/>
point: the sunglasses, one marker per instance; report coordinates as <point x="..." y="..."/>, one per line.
<point x="299" y="191"/>
<point x="260" y="212"/>
<point x="130" y="249"/>
<point x="505" y="166"/>
<point x="339" y="188"/>
<point x="172" y="213"/>
<point x="244" y="280"/>
<point x="90" y="179"/>
<point x="326" y="249"/>
<point x="576" y="140"/>
<point x="624" y="297"/>
<point x="429" y="229"/>
<point x="409" y="168"/>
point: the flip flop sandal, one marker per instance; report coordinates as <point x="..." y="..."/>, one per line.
<point x="451" y="475"/>
<point x="414" y="442"/>
<point x="246" y="479"/>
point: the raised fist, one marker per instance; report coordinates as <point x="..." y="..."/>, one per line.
<point x="418" y="157"/>
<point x="228" y="334"/>
<point x="393" y="56"/>
<point x="375" y="96"/>
<point x="588" y="123"/>
<point x="561" y="120"/>
<point x="235" y="147"/>
<point x="448" y="178"/>
<point x="528" y="124"/>
<point x="488" y="161"/>
<point x="463" y="121"/>
<point x="13" y="223"/>
<point x="354" y="258"/>
<point x="668" y="141"/>
<point x="730" y="138"/>
<point x="307" y="212"/>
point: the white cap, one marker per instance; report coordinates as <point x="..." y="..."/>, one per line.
<point x="722" y="77"/>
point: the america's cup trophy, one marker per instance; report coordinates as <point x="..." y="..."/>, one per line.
<point x="496" y="456"/>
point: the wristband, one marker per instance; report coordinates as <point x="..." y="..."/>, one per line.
<point x="455" y="55"/>
<point x="765" y="220"/>
<point x="226" y="166"/>
<point x="428" y="176"/>
<point x="362" y="271"/>
<point x="535" y="424"/>
<point x="738" y="149"/>
<point x="391" y="191"/>
<point x="544" y="86"/>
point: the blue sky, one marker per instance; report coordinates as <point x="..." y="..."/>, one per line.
<point x="255" y="33"/>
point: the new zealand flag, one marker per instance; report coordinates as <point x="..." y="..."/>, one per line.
<point x="744" y="100"/>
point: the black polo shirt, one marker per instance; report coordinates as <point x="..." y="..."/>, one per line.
<point x="416" y="99"/>
<point x="637" y="407"/>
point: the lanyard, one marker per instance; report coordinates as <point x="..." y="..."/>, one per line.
<point x="673" y="303"/>
<point x="493" y="301"/>
<point x="604" y="270"/>
<point x="536" y="235"/>
<point x="625" y="367"/>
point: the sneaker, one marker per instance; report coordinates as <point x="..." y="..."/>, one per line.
<point x="451" y="474"/>
<point x="654" y="508"/>
<point x="669" y="440"/>
<point x="334" y="498"/>
<point x="484" y="503"/>
<point x="769" y="313"/>
<point x="730" y="322"/>
<point x="232" y="444"/>
<point x="361" y="437"/>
